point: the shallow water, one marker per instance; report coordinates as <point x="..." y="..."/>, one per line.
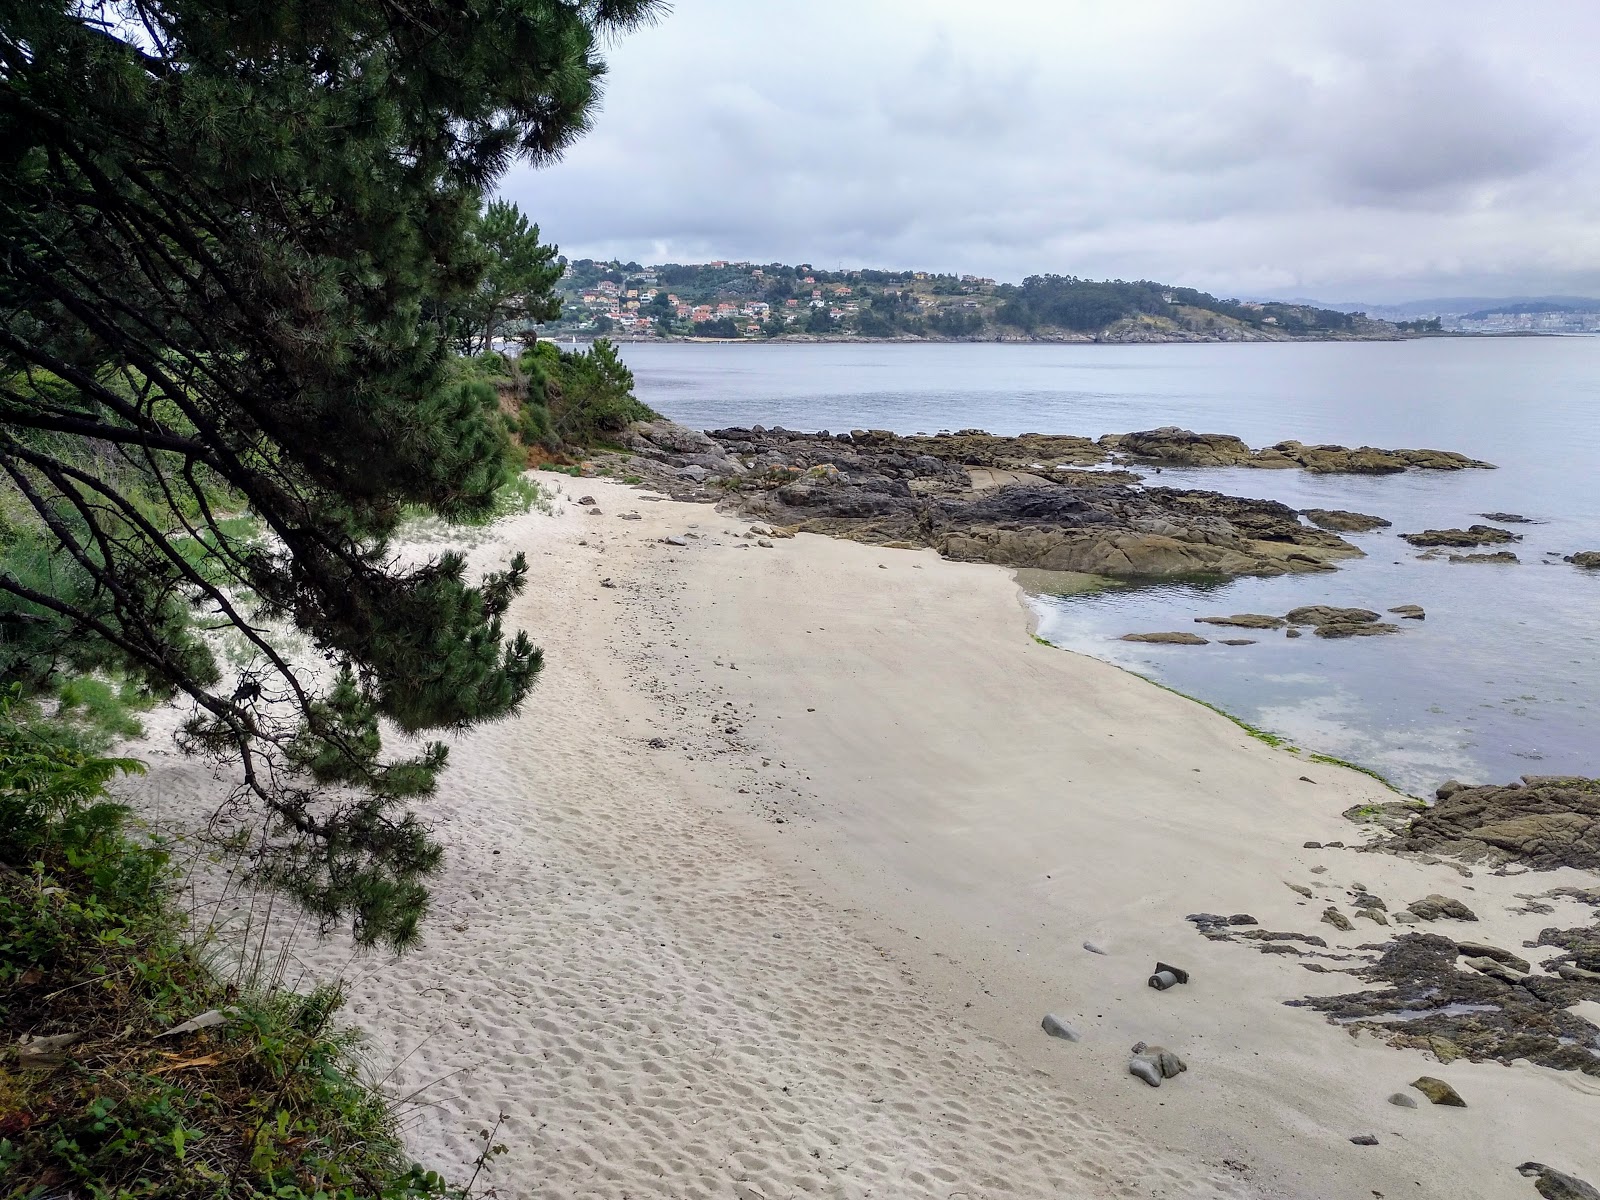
<point x="1502" y="679"/>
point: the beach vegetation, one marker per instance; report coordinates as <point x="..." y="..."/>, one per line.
<point x="133" y="1065"/>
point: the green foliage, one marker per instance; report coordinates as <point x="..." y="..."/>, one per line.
<point x="577" y="398"/>
<point x="240" y="239"/>
<point x="268" y="1104"/>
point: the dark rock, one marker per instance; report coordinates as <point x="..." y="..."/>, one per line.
<point x="1475" y="535"/>
<point x="1291" y="632"/>
<point x="1543" y="823"/>
<point x="1312" y="845"/>
<point x="1589" y="560"/>
<point x="1332" y="916"/>
<point x="1438" y="1091"/>
<point x="1367" y="900"/>
<point x="1365" y="1139"/>
<point x="1242" y="919"/>
<point x="1479" y="950"/>
<point x="1238" y="641"/>
<point x="1245" y="621"/>
<point x="1410" y="612"/>
<point x="1364" y="629"/>
<point x="1557" y="1185"/>
<point x="586" y="501"/>
<point x="1435" y="907"/>
<point x="1166" y="639"/>
<point x="1499" y="556"/>
<point x="1344" y="521"/>
<point x="1506" y="518"/>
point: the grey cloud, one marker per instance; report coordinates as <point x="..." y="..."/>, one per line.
<point x="1363" y="150"/>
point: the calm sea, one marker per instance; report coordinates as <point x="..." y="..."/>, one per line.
<point x="1502" y="679"/>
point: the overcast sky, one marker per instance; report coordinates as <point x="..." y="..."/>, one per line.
<point x="1341" y="151"/>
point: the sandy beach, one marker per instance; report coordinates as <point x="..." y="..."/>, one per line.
<point x="765" y="892"/>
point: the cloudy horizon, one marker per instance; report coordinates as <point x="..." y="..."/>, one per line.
<point x="1369" y="153"/>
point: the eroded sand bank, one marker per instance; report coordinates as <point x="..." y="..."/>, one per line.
<point x="766" y="890"/>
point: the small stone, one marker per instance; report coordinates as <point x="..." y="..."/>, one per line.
<point x="764" y="543"/>
<point x="1409" y="612"/>
<point x="657" y="743"/>
<point x="1291" y="632"/>
<point x="629" y="517"/>
<point x="1438" y="1091"/>
<point x="1242" y="919"/>
<point x="1056" y="1027"/>
<point x="1167" y="639"/>
<point x="1401" y="1100"/>
<point x="1405" y="918"/>
<point x="1365" y="899"/>
<point x="1308" y="779"/>
<point x="1435" y="907"/>
<point x="1319" y="870"/>
<point x="1168" y="1063"/>
<point x="1092" y="948"/>
<point x="675" y="541"/>
<point x="1365" y="1139"/>
<point x="1312" y="845"/>
<point x="1301" y="888"/>
<point x="1332" y="916"/>
<point x="594" y="512"/>
<point x="1373" y="914"/>
<point x="1145" y="1070"/>
<point x="586" y="501"/>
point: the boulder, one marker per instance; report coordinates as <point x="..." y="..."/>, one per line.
<point x="1166" y="639"/>
<point x="1332" y="916"/>
<point x="1323" y="614"/>
<point x="1589" y="560"/>
<point x="1183" y="447"/>
<point x="1474" y="535"/>
<point x="1499" y="556"/>
<point x="1343" y="521"/>
<point x="1341" y="629"/>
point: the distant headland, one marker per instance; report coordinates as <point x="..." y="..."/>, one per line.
<point x="776" y="302"/>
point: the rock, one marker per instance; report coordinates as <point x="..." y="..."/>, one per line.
<point x="1343" y="521"/>
<point x="1479" y="950"/>
<point x="1401" y="1100"/>
<point x="1146" y="1070"/>
<point x="1093" y="948"/>
<point x="1435" y="907"/>
<point x="1589" y="560"/>
<point x="1323" y="614"/>
<point x="1543" y="822"/>
<point x="1332" y="916"/>
<point x="1301" y="888"/>
<point x="1168" y="1063"/>
<point x="1557" y="1185"/>
<point x="1404" y="918"/>
<point x="764" y="543"/>
<point x="657" y="743"/>
<point x="1312" y="845"/>
<point x="1410" y="612"/>
<point x="1365" y="1139"/>
<point x="1367" y="900"/>
<point x="1496" y="969"/>
<point x="630" y="516"/>
<point x="1365" y="629"/>
<point x="50" y="1050"/>
<point x="675" y="541"/>
<point x="594" y="512"/>
<point x="1242" y="919"/>
<point x="1499" y="556"/>
<point x="1291" y="632"/>
<point x="1373" y="915"/>
<point x="1056" y="1027"/>
<point x="1238" y="641"/>
<point x="1438" y="1091"/>
<point x="1245" y="621"/>
<point x="1473" y="535"/>
<point x="1166" y="639"/>
<point x="586" y="501"/>
<point x="1506" y="518"/>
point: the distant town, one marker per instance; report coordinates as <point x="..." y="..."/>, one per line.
<point x="774" y="301"/>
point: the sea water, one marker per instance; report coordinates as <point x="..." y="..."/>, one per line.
<point x="1501" y="679"/>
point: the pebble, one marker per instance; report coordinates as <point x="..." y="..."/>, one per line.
<point x="675" y="541"/>
<point x="1401" y="1100"/>
<point x="1056" y="1027"/>
<point x="1092" y="948"/>
<point x="763" y="542"/>
<point x="1365" y="1139"/>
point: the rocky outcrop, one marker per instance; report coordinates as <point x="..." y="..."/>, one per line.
<point x="1184" y="447"/>
<point x="1474" y="535"/>
<point x="1166" y="639"/>
<point x="1499" y="556"/>
<point x="1543" y="822"/>
<point x="1344" y="521"/>
<point x="1410" y="612"/>
<point x="1245" y="621"/>
<point x="1325" y="614"/>
<point x="1589" y="560"/>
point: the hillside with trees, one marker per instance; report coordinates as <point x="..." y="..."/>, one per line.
<point x="769" y="301"/>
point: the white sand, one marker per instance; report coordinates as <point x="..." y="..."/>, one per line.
<point x="804" y="948"/>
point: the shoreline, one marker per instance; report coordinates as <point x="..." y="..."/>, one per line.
<point x="768" y="887"/>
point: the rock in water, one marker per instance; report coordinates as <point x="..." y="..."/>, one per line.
<point x="1587" y="559"/>
<point x="1438" y="1091"/>
<point x="1401" y="1100"/>
<point x="1343" y="521"/>
<point x="1340" y="629"/>
<point x="1056" y="1027"/>
<point x="1325" y="614"/>
<point x="1411" y="612"/>
<point x="1332" y="916"/>
<point x="1435" y="907"/>
<point x="1506" y="518"/>
<point x="1145" y="1070"/>
<point x="1557" y="1185"/>
<point x="1244" y="621"/>
<point x="1499" y="556"/>
<point x="1167" y="639"/>
<point x="1473" y="535"/>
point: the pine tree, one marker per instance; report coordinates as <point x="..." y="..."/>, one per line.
<point x="519" y="278"/>
<point x="237" y="235"/>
